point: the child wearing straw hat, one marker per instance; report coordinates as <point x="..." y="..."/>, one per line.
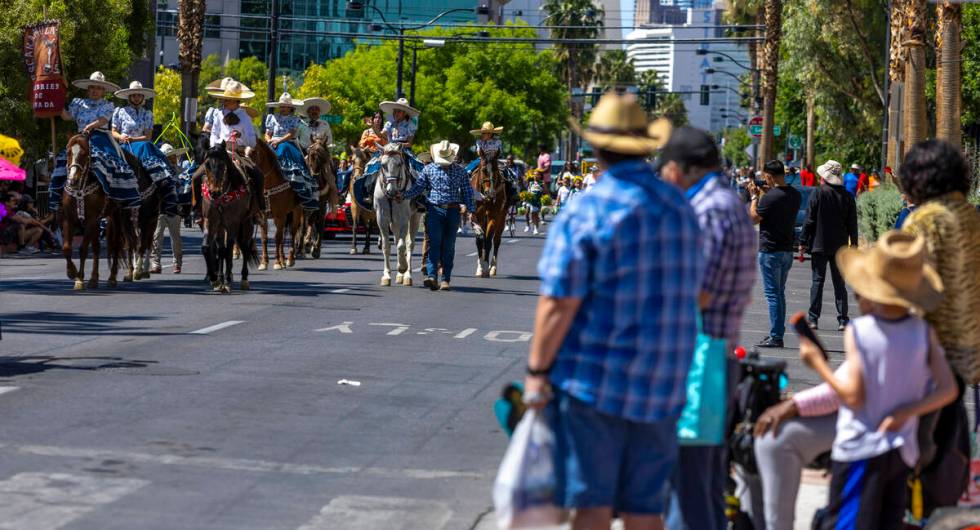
<point x="891" y="356"/>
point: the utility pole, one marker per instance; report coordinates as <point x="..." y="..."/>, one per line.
<point x="401" y="56"/>
<point x="273" y="51"/>
<point x="886" y="88"/>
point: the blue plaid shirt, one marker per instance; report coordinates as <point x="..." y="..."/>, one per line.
<point x="630" y="250"/>
<point x="447" y="185"/>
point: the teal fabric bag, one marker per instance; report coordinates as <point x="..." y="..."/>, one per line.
<point x="702" y="421"/>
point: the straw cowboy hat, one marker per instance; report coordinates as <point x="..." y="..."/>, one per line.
<point x="319" y="103"/>
<point x="831" y="171"/>
<point x="168" y="150"/>
<point x="285" y="100"/>
<point x="96" y="79"/>
<point x="218" y="84"/>
<point x="487" y="127"/>
<point x="894" y="271"/>
<point x="135" y="89"/>
<point x="389" y="107"/>
<point x="232" y="90"/>
<point x="619" y="124"/>
<point x="444" y="152"/>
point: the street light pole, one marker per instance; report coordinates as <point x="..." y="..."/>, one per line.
<point x="411" y="90"/>
<point x="273" y="52"/>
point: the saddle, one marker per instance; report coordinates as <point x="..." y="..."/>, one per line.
<point x="363" y="188"/>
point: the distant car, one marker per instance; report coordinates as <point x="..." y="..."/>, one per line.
<point x="340" y="221"/>
<point x="805" y="193"/>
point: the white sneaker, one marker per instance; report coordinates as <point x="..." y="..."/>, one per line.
<point x="28" y="250"/>
<point x="535" y="231"/>
<point x="527" y="229"/>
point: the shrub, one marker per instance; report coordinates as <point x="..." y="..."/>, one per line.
<point x="878" y="210"/>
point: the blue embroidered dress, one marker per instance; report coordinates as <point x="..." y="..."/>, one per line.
<point x="398" y="132"/>
<point x="138" y="121"/>
<point x="107" y="165"/>
<point x="291" y="159"/>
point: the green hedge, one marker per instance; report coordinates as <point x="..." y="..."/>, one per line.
<point x="878" y="210"/>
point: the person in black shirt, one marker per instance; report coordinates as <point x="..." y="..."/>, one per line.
<point x="774" y="208"/>
<point x="831" y="223"/>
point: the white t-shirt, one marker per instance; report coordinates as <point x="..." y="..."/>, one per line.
<point x="588" y="181"/>
<point x="563" y="193"/>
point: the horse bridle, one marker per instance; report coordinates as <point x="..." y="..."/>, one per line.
<point x="84" y="189"/>
<point x="403" y="173"/>
<point x="487" y="167"/>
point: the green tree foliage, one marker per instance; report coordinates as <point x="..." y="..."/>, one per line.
<point x="878" y="210"/>
<point x="971" y="65"/>
<point x="736" y="140"/>
<point x="458" y="87"/>
<point x="664" y="105"/>
<point x="95" y="35"/>
<point x="613" y="70"/>
<point x="166" y="104"/>
<point x="574" y="19"/>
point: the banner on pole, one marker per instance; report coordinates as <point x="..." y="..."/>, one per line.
<point x="42" y="57"/>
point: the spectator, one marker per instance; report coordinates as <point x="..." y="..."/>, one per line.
<point x="27" y="212"/>
<point x="564" y="192"/>
<point x="774" y="207"/>
<point x="590" y="178"/>
<point x="170" y="223"/>
<point x="568" y="172"/>
<point x="793" y="178"/>
<point x="852" y="179"/>
<point x="544" y="166"/>
<point x="615" y="330"/>
<point x="690" y="160"/>
<point x="807" y="177"/>
<point x="831" y="223"/>
<point x="905" y="211"/>
<point x="18" y="230"/>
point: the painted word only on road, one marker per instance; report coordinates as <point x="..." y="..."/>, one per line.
<point x="394" y="328"/>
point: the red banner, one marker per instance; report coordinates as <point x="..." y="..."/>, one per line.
<point x="42" y="57"/>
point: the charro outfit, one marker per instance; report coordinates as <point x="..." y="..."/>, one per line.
<point x="309" y="129"/>
<point x="138" y="121"/>
<point x="291" y="159"/>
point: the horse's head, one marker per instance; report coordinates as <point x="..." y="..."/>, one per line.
<point x="485" y="180"/>
<point x="79" y="158"/>
<point x="393" y="168"/>
<point x="217" y="169"/>
<point x="318" y="156"/>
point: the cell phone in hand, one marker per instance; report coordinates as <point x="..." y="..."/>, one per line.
<point x="799" y="323"/>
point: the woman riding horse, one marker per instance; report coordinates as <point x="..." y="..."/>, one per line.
<point x="373" y="138"/>
<point x="280" y="133"/>
<point x="132" y="128"/>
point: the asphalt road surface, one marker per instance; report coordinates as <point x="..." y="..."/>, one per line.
<point x="163" y="405"/>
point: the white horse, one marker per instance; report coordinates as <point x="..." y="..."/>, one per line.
<point x="398" y="218"/>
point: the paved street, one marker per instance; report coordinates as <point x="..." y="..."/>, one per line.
<point x="163" y="405"/>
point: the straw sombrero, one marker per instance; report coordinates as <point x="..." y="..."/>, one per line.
<point x="218" y="84"/>
<point x="135" y="89"/>
<point x="168" y="150"/>
<point x="444" y="152"/>
<point x="893" y="271"/>
<point x="285" y="100"/>
<point x="320" y="103"/>
<point x="389" y="107"/>
<point x="618" y="124"/>
<point x="487" y="127"/>
<point x="96" y="79"/>
<point x="232" y="90"/>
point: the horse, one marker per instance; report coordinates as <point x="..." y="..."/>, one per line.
<point x="394" y="217"/>
<point x="140" y="238"/>
<point x="228" y="217"/>
<point x="491" y="217"/>
<point x="360" y="159"/>
<point x="282" y="204"/>
<point x="320" y="162"/>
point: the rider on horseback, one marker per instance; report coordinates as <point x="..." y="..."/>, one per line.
<point x="313" y="127"/>
<point x="235" y="128"/>
<point x="488" y="148"/>
<point x="401" y="129"/>
<point x="280" y="131"/>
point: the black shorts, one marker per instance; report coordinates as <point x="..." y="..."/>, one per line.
<point x="868" y="494"/>
<point x="8" y="233"/>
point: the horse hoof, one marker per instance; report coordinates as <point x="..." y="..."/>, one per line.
<point x="216" y="286"/>
<point x="407" y="281"/>
<point x="385" y="282"/>
<point x="398" y="278"/>
<point x="263" y="266"/>
<point x="225" y="289"/>
<point x="245" y="286"/>
<point x="112" y="284"/>
<point x="128" y="278"/>
<point x="485" y="274"/>
<point x="493" y="271"/>
<point x="291" y="262"/>
<point x="366" y="251"/>
<point x="93" y="283"/>
<point x="79" y="285"/>
<point x="277" y="266"/>
<point x="353" y="251"/>
<point x="316" y="253"/>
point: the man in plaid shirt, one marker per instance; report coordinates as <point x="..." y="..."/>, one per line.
<point x="729" y="243"/>
<point x="615" y="327"/>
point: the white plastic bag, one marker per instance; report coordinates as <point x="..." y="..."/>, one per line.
<point x="524" y="492"/>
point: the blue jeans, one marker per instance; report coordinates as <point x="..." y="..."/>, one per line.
<point x="775" y="269"/>
<point x="441" y="225"/>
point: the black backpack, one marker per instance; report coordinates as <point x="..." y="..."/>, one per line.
<point x="757" y="390"/>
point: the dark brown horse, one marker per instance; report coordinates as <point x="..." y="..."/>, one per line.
<point x="144" y="222"/>
<point x="228" y="215"/>
<point x="490" y="217"/>
<point x="284" y="207"/>
<point x="359" y="216"/>
<point x="320" y="162"/>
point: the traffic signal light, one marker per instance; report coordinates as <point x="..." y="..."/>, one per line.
<point x="705" y="95"/>
<point x="650" y="99"/>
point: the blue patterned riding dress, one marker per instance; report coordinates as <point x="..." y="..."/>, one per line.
<point x="291" y="158"/>
<point x="138" y="121"/>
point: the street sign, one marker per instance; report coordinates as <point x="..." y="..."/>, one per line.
<point x="776" y="130"/>
<point x="333" y="118"/>
<point x="755" y="126"/>
<point x="794" y="142"/>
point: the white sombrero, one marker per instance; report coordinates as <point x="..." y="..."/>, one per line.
<point x="232" y="90"/>
<point x="96" y="79"/>
<point x="218" y="84"/>
<point x="285" y="100"/>
<point x="444" y="152"/>
<point x="135" y="89"/>
<point x="320" y="103"/>
<point x="168" y="150"/>
<point x="389" y="107"/>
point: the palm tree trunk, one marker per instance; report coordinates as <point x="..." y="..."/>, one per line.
<point x="190" y="38"/>
<point x="914" y="104"/>
<point x="770" y="72"/>
<point x="896" y="74"/>
<point x="948" y="75"/>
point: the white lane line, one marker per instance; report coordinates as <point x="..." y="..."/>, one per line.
<point x="238" y="464"/>
<point x="513" y="240"/>
<point x="216" y="327"/>
<point x="465" y="333"/>
<point x="471" y="254"/>
<point x="340" y="291"/>
<point x="52" y="500"/>
<point x="363" y="512"/>
<point x="6" y="389"/>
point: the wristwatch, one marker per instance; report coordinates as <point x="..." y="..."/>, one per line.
<point x="538" y="372"/>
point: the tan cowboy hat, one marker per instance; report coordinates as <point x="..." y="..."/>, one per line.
<point x="444" y="152"/>
<point x="389" y="107"/>
<point x="135" y="89"/>
<point x="218" y="84"/>
<point x="285" y="100"/>
<point x="319" y="103"/>
<point x="893" y="271"/>
<point x="618" y="124"/>
<point x="831" y="171"/>
<point x="659" y="131"/>
<point x="487" y="127"/>
<point x="168" y="150"/>
<point x="96" y="79"/>
<point x="232" y="90"/>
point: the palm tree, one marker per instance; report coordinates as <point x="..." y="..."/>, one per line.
<point x="896" y="77"/>
<point x="914" y="100"/>
<point x="746" y="12"/>
<point x="661" y="104"/>
<point x="770" y="71"/>
<point x="948" y="80"/>
<point x="614" y="70"/>
<point x="190" y="38"/>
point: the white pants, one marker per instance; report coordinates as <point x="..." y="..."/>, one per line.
<point x="171" y="223"/>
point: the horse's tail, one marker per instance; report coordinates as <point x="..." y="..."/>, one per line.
<point x="246" y="243"/>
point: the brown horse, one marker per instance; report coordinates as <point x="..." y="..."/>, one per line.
<point x="226" y="208"/>
<point x="282" y="204"/>
<point x="365" y="218"/>
<point x="320" y="162"/>
<point x="140" y="237"/>
<point x="491" y="217"/>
